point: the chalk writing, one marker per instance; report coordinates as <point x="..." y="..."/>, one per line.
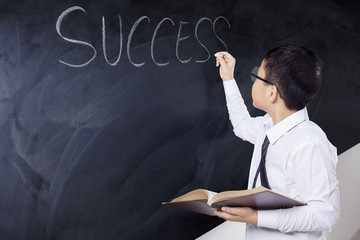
<point x="153" y="40"/>
<point x="58" y="25"/>
<point x="179" y="39"/>
<point x="104" y="42"/>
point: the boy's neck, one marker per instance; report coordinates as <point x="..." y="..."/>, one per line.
<point x="280" y="113"/>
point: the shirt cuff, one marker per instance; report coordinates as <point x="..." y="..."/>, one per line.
<point x="230" y="87"/>
<point x="267" y="218"/>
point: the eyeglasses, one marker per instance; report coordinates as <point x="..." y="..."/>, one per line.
<point x="254" y="76"/>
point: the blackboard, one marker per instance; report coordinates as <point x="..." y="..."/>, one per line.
<point x="109" y="108"/>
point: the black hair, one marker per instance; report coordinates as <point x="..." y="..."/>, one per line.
<point x="296" y="71"/>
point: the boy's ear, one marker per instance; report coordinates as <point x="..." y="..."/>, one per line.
<point x="273" y="93"/>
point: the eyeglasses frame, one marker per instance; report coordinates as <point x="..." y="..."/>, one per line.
<point x="256" y="76"/>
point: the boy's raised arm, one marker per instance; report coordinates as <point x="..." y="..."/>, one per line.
<point x="244" y="126"/>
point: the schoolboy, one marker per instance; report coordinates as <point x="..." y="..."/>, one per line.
<point x="292" y="155"/>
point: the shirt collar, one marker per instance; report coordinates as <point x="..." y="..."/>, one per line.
<point x="277" y="131"/>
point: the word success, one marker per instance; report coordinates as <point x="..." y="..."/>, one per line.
<point x="179" y="39"/>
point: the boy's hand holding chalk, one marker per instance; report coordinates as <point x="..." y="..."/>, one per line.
<point x="227" y="65"/>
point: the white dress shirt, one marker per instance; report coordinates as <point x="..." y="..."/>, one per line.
<point x="300" y="163"/>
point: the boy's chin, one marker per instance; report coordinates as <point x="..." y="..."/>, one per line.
<point x="257" y="107"/>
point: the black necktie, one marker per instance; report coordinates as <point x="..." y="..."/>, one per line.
<point x="261" y="169"/>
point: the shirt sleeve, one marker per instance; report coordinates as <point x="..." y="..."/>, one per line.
<point x="313" y="168"/>
<point x="244" y="126"/>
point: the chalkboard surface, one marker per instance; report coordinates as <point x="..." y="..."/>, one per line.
<point x="109" y="108"/>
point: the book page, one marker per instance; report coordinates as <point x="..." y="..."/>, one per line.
<point x="198" y="194"/>
<point x="237" y="193"/>
<point x="262" y="200"/>
<point x="211" y="194"/>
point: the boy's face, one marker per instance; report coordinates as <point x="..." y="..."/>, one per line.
<point x="259" y="90"/>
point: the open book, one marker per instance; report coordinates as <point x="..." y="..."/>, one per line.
<point x="204" y="201"/>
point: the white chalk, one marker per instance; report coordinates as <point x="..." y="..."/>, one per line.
<point x="218" y="55"/>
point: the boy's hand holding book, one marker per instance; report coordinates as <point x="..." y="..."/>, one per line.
<point x="238" y="214"/>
